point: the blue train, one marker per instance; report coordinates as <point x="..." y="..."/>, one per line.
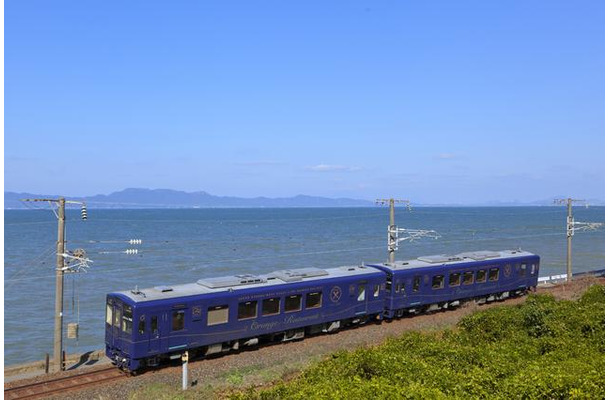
<point x="216" y="315"/>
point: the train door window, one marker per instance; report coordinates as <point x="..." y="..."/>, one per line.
<point x="127" y="320"/>
<point x="376" y="290"/>
<point x="402" y="288"/>
<point x="468" y="278"/>
<point x="388" y="283"/>
<point x="494" y="274"/>
<point x="271" y="306"/>
<point x="246" y="310"/>
<point x="534" y="268"/>
<point x="481" y="276"/>
<point x="196" y="313"/>
<point x="142" y="324"/>
<point x="109" y="313"/>
<point x="352" y="290"/>
<point x="438" y="281"/>
<point x="117" y="316"/>
<point x="397" y="287"/>
<point x="522" y="269"/>
<point x="218" y="315"/>
<point x="416" y="283"/>
<point x="178" y="320"/>
<point x="361" y="292"/>
<point x="154" y="326"/>
<point x="313" y="300"/>
<point x="454" y="279"/>
<point x="293" y="303"/>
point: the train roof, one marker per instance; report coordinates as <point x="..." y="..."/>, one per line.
<point x="245" y="281"/>
<point x="444" y="259"/>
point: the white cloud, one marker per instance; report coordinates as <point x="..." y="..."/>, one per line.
<point x="331" y="168"/>
<point x="447" y="156"/>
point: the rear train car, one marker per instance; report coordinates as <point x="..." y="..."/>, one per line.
<point x="145" y="327"/>
<point x="438" y="282"/>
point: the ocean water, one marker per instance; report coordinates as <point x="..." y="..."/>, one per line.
<point x="180" y="246"/>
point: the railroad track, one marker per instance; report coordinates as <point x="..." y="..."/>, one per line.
<point x="53" y="387"/>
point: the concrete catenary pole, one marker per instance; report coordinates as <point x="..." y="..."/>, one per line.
<point x="59" y="285"/>
<point x="391" y="234"/>
<point x="570" y="233"/>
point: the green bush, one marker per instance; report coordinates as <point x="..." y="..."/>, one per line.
<point x="543" y="349"/>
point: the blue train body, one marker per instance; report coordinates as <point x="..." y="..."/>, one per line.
<point x="215" y="315"/>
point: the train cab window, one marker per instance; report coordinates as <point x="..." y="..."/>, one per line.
<point x="292" y="303"/>
<point x="246" y="310"/>
<point x="218" y="315"/>
<point x="154" y="327"/>
<point x="361" y="292"/>
<point x="313" y="300"/>
<point x="142" y="324"/>
<point x="481" y="276"/>
<point x="454" y="279"/>
<point x="376" y="290"/>
<point x="271" y="306"/>
<point x="178" y="320"/>
<point x="494" y="273"/>
<point x="438" y="281"/>
<point x="127" y="324"/>
<point x="468" y="278"/>
<point x="522" y="269"/>
<point x="109" y="314"/>
<point x="416" y="283"/>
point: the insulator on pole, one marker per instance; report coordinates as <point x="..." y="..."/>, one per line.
<point x="135" y="241"/>
<point x="83" y="212"/>
<point x="131" y="251"/>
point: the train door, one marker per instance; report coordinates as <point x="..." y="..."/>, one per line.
<point x="116" y="324"/>
<point x="361" y="298"/>
<point x="153" y="335"/>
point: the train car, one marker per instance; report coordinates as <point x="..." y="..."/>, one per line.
<point x="215" y="315"/>
<point x="441" y="281"/>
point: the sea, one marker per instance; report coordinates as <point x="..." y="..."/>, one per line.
<point x="184" y="245"/>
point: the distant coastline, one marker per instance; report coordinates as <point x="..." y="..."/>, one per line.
<point x="166" y="198"/>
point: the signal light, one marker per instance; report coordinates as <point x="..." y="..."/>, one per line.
<point x="83" y="212"/>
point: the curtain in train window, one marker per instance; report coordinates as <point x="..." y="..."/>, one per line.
<point x="218" y="315"/>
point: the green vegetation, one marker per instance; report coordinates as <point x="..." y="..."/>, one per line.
<point x="543" y="349"/>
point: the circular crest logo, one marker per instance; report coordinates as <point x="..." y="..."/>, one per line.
<point x="335" y="294"/>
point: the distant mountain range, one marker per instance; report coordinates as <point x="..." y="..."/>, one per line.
<point x="166" y="198"/>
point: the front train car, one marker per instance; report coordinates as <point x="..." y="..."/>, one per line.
<point x="216" y="315"/>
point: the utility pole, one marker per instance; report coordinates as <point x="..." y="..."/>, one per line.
<point x="394" y="231"/>
<point x="60" y="269"/>
<point x="571" y="227"/>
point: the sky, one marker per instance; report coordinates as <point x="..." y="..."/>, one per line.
<point x="437" y="102"/>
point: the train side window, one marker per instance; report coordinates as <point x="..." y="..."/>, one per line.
<point x="402" y="288"/>
<point x="376" y="290"/>
<point x="292" y="303"/>
<point x="494" y="273"/>
<point x="218" y="315"/>
<point x="468" y="278"/>
<point x="246" y="310"/>
<point x="109" y="314"/>
<point x="388" y="283"/>
<point x="416" y="283"/>
<point x="438" y="281"/>
<point x="481" y="276"/>
<point x="522" y="269"/>
<point x="127" y="320"/>
<point x="142" y="324"/>
<point x="196" y="313"/>
<point x="153" y="324"/>
<point x="271" y="306"/>
<point x="313" y="300"/>
<point x="454" y="279"/>
<point x="178" y="320"/>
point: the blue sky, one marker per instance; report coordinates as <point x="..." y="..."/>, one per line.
<point x="442" y="101"/>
